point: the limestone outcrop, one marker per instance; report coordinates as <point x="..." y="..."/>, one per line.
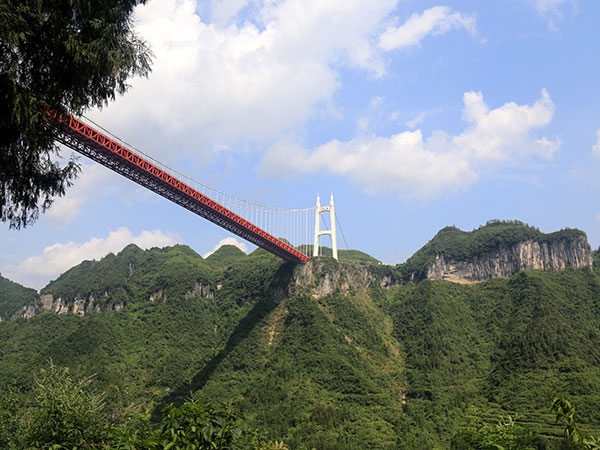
<point x="323" y="276"/>
<point x="79" y="306"/>
<point x="556" y="254"/>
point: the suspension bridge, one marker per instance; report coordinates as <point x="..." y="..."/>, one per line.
<point x="298" y="230"/>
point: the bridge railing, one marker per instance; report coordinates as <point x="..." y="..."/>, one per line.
<point x="213" y="204"/>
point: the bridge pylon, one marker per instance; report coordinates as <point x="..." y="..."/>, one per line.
<point x="331" y="231"/>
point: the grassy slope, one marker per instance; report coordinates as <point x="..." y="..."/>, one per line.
<point x="325" y="361"/>
<point x="133" y="275"/>
<point x="149" y="349"/>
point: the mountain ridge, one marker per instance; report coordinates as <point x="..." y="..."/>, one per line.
<point x="497" y="249"/>
<point x="327" y="354"/>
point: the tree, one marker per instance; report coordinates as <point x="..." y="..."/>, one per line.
<point x="65" y="413"/>
<point x="9" y="422"/>
<point x="505" y="435"/>
<point x="67" y="55"/>
<point x="565" y="415"/>
<point x="200" y="425"/>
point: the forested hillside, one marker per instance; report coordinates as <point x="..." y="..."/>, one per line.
<point x="13" y="296"/>
<point x="320" y="355"/>
<point x="498" y="248"/>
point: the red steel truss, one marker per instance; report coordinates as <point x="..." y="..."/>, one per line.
<point x="95" y="145"/>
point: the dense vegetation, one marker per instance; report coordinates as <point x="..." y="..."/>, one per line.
<point x="419" y="365"/>
<point x="12" y="297"/>
<point x="343" y="255"/>
<point x="63" y="413"/>
<point x="66" y="413"/>
<point x="459" y="245"/>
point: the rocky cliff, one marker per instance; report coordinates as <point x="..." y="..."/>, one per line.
<point x="529" y="255"/>
<point x="317" y="278"/>
<point x="497" y="249"/>
<point x="320" y="277"/>
<point x="79" y="306"/>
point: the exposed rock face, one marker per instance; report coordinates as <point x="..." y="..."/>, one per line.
<point x="529" y="255"/>
<point x="158" y="295"/>
<point x="80" y="306"/>
<point x="201" y="290"/>
<point x="324" y="276"/>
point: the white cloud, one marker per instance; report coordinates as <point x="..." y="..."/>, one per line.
<point x="228" y="241"/>
<point x="504" y="133"/>
<point x="87" y="186"/>
<point x="408" y="164"/>
<point x="376" y="101"/>
<point x="38" y="270"/>
<point x="417" y="120"/>
<point x="256" y="77"/>
<point x="546" y="7"/>
<point x="212" y="84"/>
<point x="596" y="147"/>
<point x="363" y="123"/>
<point x="552" y="10"/>
<point x="437" y="20"/>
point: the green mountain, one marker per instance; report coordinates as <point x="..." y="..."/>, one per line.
<point x="323" y="355"/>
<point x="13" y="297"/>
<point x="132" y="275"/>
<point x="225" y="256"/>
<point x="496" y="240"/>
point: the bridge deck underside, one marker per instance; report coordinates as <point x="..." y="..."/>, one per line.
<point x="98" y="147"/>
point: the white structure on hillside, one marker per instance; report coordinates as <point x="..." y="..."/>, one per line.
<point x="331" y="231"/>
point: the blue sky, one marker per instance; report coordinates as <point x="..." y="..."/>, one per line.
<point x="415" y="114"/>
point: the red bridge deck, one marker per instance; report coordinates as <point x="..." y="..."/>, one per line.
<point x="95" y="145"/>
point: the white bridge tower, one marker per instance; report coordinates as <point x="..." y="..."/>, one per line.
<point x="331" y="231"/>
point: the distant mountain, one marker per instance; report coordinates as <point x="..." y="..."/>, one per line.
<point x="13" y="296"/>
<point x="225" y="256"/>
<point x="497" y="249"/>
<point x="131" y="276"/>
<point x="326" y="355"/>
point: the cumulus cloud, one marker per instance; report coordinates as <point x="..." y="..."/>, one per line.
<point x="437" y="20"/>
<point x="228" y="241"/>
<point x="215" y="84"/>
<point x="596" y="147"/>
<point x="408" y="164"/>
<point x="36" y="271"/>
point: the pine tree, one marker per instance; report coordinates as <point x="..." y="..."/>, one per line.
<point x="67" y="55"/>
